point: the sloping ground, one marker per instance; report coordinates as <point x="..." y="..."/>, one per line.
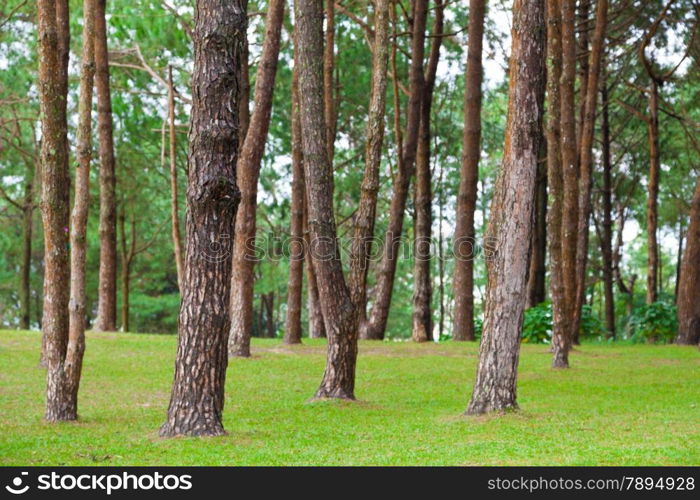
<point x="618" y="405"/>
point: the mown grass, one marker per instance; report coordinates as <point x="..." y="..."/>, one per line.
<point x="617" y="405"/>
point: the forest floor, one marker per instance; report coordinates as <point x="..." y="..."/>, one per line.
<point x="617" y="405"/>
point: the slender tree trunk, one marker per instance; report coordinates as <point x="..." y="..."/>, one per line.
<point x="79" y="218"/>
<point x="538" y="270"/>
<point x="27" y="229"/>
<point x="174" y="209"/>
<point x="317" y="328"/>
<point x="338" y="311"/>
<point x="423" y="220"/>
<point x="510" y="221"/>
<point x="653" y="194"/>
<point x="60" y="44"/>
<point x="243" y="278"/>
<point x="376" y="326"/>
<point x="107" y="289"/>
<point x="292" y="329"/>
<point x="328" y="86"/>
<point x="54" y="198"/>
<point x="586" y="160"/>
<point x="689" y="286"/>
<point x="569" y="174"/>
<point x="606" y="240"/>
<point x="465" y="241"/>
<point x="363" y="230"/>
<point x="244" y="93"/>
<point x="582" y="42"/>
<point x="441" y="254"/>
<point x="197" y="398"/>
<point x="679" y="259"/>
<point x="127" y="255"/>
<point x="555" y="181"/>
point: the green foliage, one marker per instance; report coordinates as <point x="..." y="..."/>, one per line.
<point x="537" y="324"/>
<point x="154" y="313"/>
<point x="591" y="326"/>
<point x="655" y="323"/>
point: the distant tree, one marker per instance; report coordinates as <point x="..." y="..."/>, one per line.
<point x="197" y="397"/>
<point x="510" y="221"/>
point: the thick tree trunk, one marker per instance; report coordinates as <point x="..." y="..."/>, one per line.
<point x="586" y="160"/>
<point x="653" y="194"/>
<point x="570" y="173"/>
<point x="363" y="230"/>
<point x="174" y="209"/>
<point x="54" y="196"/>
<point x="248" y="168"/>
<point x="689" y="285"/>
<point x="423" y="220"/>
<point x="606" y="236"/>
<point x="555" y="181"/>
<point x="376" y="326"/>
<point x="328" y="86"/>
<point x="292" y="328"/>
<point x="197" y="398"/>
<point x="78" y="244"/>
<point x="107" y="289"/>
<point x="338" y="310"/>
<point x="465" y="241"/>
<point x="510" y="220"/>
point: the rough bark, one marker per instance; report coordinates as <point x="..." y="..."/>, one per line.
<point x="174" y="208"/>
<point x="292" y="328"/>
<point x="317" y="328"/>
<point x="107" y="288"/>
<point x="468" y="179"/>
<point x="567" y="120"/>
<point x="248" y="168"/>
<point x="586" y="160"/>
<point x="376" y="326"/>
<point x="338" y="311"/>
<point x="689" y="284"/>
<point x="27" y="230"/>
<point x="328" y="86"/>
<point x="606" y="233"/>
<point x="363" y="230"/>
<point x="197" y="397"/>
<point x="78" y="244"/>
<point x="653" y="194"/>
<point x="582" y="55"/>
<point x="422" y="285"/>
<point x="60" y="29"/>
<point x="244" y="94"/>
<point x="555" y="181"/>
<point x="510" y="220"/>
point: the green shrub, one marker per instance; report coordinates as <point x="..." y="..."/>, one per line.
<point x="655" y="323"/>
<point x="591" y="326"/>
<point x="537" y="324"/>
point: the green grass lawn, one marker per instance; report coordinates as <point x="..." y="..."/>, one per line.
<point x="618" y="405"/>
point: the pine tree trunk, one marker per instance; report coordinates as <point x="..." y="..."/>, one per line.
<point x="107" y="289"/>
<point x="197" y="398"/>
<point x="78" y="244"/>
<point x="423" y="220"/>
<point x="606" y="240"/>
<point x="555" y="181"/>
<point x="465" y="241"/>
<point x="328" y="86"/>
<point x="27" y="230"/>
<point x="174" y="208"/>
<point x="338" y="310"/>
<point x="376" y="326"/>
<point x="248" y="168"/>
<point x="54" y="197"/>
<point x="538" y="269"/>
<point x="292" y="328"/>
<point x="689" y="284"/>
<point x="365" y="217"/>
<point x="653" y="194"/>
<point x="586" y="160"/>
<point x="510" y="220"/>
<point x="570" y="173"/>
<point x="317" y="328"/>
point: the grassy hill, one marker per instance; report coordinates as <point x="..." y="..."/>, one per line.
<point x="618" y="405"/>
